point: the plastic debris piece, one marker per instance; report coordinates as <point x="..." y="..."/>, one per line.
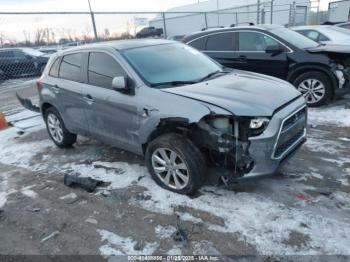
<point x="86" y="183"/>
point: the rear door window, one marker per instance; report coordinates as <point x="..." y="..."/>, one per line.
<point x="102" y="69"/>
<point x="70" y="67"/>
<point x="220" y="42"/>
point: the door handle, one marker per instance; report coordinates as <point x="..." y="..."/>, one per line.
<point x="88" y="99"/>
<point x="242" y="58"/>
<point x="55" y="88"/>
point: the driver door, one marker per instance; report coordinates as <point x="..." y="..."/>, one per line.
<point x="251" y="54"/>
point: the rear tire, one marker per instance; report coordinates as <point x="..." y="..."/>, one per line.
<point x="57" y="130"/>
<point x="315" y="86"/>
<point x="175" y="163"/>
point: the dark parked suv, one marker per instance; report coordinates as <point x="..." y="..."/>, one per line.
<point x="16" y="62"/>
<point x="319" y="72"/>
<point x="174" y="105"/>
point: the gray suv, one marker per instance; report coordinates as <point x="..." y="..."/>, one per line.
<point x="181" y="110"/>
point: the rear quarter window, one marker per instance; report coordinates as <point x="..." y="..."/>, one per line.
<point x="54" y="68"/>
<point x="199" y="43"/>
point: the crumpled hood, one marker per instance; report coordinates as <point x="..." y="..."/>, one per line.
<point x="330" y="49"/>
<point x="241" y="93"/>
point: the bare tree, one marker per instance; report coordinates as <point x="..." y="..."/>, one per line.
<point x="26" y="37"/>
<point x="39" y="34"/>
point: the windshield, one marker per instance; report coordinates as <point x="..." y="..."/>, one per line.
<point x="170" y="63"/>
<point x="32" y="52"/>
<point x="294" y="38"/>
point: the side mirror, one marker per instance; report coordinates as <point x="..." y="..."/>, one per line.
<point x="122" y="84"/>
<point x="274" y="50"/>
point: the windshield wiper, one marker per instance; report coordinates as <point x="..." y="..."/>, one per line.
<point x="173" y="83"/>
<point x="210" y="75"/>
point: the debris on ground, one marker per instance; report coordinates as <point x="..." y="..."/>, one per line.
<point x="91" y="221"/>
<point x="69" y="196"/>
<point x="139" y="245"/>
<point x="105" y="193"/>
<point x="52" y="235"/>
<point x="180" y="235"/>
<point x="108" y="168"/>
<point x="34" y="210"/>
<point x="87" y="183"/>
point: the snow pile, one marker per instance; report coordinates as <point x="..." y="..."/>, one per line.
<point x="117" y="245"/>
<point x="27" y="191"/>
<point x="336" y="115"/>
<point x="164" y="232"/>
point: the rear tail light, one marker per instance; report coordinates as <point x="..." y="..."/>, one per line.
<point x="38" y="84"/>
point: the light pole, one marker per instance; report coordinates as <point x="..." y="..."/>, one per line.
<point x="258" y="12"/>
<point x="217" y="10"/>
<point x="93" y="21"/>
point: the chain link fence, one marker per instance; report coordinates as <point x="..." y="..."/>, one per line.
<point x="28" y="39"/>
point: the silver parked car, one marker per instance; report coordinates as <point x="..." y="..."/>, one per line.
<point x="174" y="105"/>
<point x="325" y="34"/>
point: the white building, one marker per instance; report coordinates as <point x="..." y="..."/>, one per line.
<point x="339" y="11"/>
<point x="214" y="13"/>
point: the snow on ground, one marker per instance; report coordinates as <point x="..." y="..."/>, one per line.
<point x="259" y="220"/>
<point x="164" y="232"/>
<point x="27" y="191"/>
<point x="335" y="115"/>
<point x="117" y="245"/>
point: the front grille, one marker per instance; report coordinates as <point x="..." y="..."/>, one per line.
<point x="289" y="143"/>
<point x="293" y="119"/>
<point x="291" y="133"/>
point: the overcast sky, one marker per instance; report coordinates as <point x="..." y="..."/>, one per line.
<point x="97" y="5"/>
<point x="13" y="26"/>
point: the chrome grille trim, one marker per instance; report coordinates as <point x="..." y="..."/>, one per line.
<point x="298" y="141"/>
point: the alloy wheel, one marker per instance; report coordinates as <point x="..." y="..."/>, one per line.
<point x="55" y="127"/>
<point x="170" y="168"/>
<point x="313" y="90"/>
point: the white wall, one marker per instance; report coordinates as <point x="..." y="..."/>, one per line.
<point x="180" y="24"/>
<point x="339" y="11"/>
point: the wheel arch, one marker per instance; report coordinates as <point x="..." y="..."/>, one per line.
<point x="296" y="72"/>
<point x="45" y="106"/>
<point x="176" y="125"/>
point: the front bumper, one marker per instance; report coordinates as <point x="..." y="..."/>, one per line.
<point x="285" y="133"/>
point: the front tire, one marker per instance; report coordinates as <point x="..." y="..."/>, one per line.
<point x="175" y="163"/>
<point x="57" y="130"/>
<point x="315" y="87"/>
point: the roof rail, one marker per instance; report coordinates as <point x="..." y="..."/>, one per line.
<point x="215" y="27"/>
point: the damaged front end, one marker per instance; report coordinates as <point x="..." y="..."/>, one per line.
<point x="225" y="141"/>
<point x="341" y="69"/>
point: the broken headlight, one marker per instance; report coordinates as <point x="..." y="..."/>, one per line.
<point x="221" y="123"/>
<point x="258" y="125"/>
